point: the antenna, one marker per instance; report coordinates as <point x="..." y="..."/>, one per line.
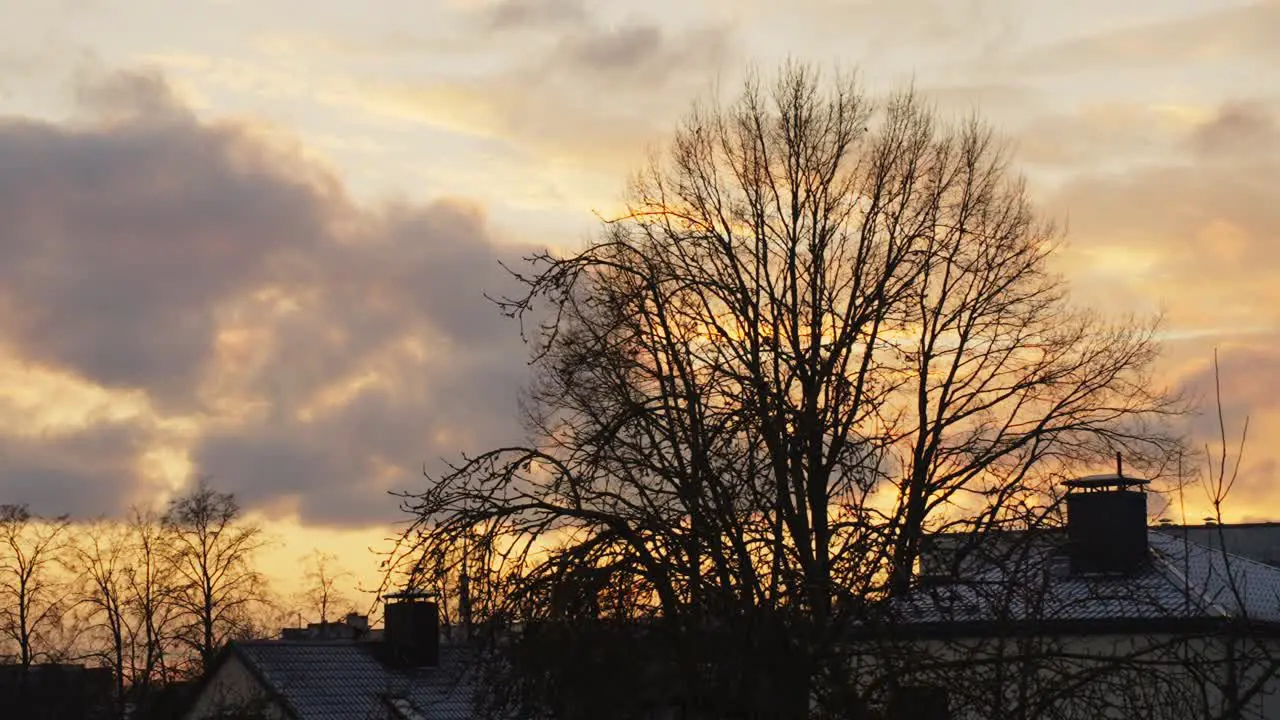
<point x="464" y="594"/>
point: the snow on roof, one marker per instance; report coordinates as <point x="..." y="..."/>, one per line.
<point x="1184" y="580"/>
<point x="338" y="680"/>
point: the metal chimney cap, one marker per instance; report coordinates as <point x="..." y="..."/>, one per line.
<point x="410" y="595"/>
<point x="1107" y="481"/>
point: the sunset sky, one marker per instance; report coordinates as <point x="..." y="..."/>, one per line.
<point x="250" y="239"/>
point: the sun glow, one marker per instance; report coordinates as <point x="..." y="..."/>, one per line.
<point x="41" y="401"/>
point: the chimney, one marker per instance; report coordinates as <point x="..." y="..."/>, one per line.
<point x="1107" y="523"/>
<point x="411" y="629"/>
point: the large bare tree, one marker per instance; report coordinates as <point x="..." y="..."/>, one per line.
<point x="825" y="326"/>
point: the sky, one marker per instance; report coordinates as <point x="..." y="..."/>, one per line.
<point x="251" y="240"/>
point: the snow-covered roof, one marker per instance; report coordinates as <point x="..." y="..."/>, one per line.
<point x="339" y="680"/>
<point x="1183" y="580"/>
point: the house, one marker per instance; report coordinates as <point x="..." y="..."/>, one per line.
<point x="1255" y="540"/>
<point x="1103" y="617"/>
<point x="1106" y="617"/>
<point x="54" y="691"/>
<point x="406" y="675"/>
<point x="353" y="627"/>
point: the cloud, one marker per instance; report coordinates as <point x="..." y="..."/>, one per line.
<point x="1108" y="133"/>
<point x="1245" y="32"/>
<point x="336" y="464"/>
<point x="1207" y="210"/>
<point x="590" y="71"/>
<point x="524" y="14"/>
<point x="585" y="100"/>
<point x="1249" y="128"/>
<point x="317" y="352"/>
<point x="1254" y="365"/>
<point x="86" y="473"/>
<point x="572" y="83"/>
<point x="989" y="99"/>
<point x="648" y="53"/>
<point x="1195" y="231"/>
<point x="121" y="237"/>
<point x="1249" y="372"/>
<point x="571" y="92"/>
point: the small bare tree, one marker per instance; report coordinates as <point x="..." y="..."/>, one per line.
<point x="1240" y="668"/>
<point x="34" y="592"/>
<point x="150" y="602"/>
<point x="125" y="587"/>
<point x="211" y="553"/>
<point x="322" y="577"/>
<point x="101" y="553"/>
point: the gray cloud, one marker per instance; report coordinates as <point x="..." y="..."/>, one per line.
<point x="991" y="99"/>
<point x="605" y="92"/>
<point x="86" y="473"/>
<point x="616" y="48"/>
<point x="643" y="50"/>
<point x="1249" y="375"/>
<point x="340" y="467"/>
<point x="121" y="237"/>
<point x="1100" y="135"/>
<point x="1240" y="128"/>
<point x="523" y="14"/>
<point x="1208" y="211"/>
<point x="145" y="249"/>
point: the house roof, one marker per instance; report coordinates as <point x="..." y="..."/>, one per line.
<point x="340" y="680"/>
<point x="1184" y="581"/>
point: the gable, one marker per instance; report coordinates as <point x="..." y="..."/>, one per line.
<point x="234" y="688"/>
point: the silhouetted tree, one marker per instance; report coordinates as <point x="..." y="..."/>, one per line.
<point x="150" y="603"/>
<point x="101" y="553"/>
<point x="321" y="589"/>
<point x="211" y="551"/>
<point x="1242" y="668"/>
<point x="823" y="328"/>
<point x="34" y="592"/>
<point x="127" y="589"/>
